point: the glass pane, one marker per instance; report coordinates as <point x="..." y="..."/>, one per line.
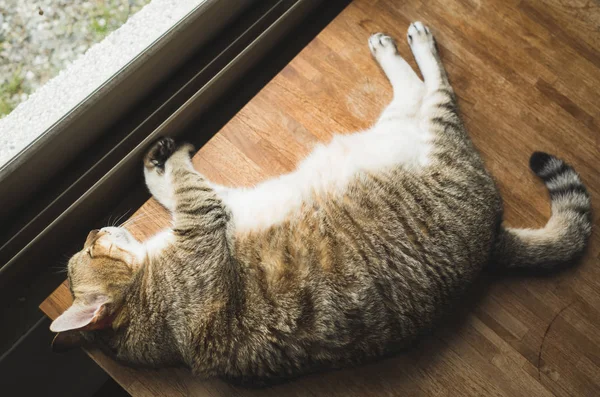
<point x="38" y="40"/>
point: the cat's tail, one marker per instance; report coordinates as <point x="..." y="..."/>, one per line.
<point x="566" y="234"/>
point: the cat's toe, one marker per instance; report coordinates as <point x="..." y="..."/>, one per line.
<point x="381" y="44"/>
<point x="418" y="34"/>
<point x="159" y="153"/>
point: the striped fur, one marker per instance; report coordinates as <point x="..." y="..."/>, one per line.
<point x="564" y="237"/>
<point x="350" y="257"/>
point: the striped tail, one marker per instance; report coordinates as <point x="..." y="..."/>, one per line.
<point x="565" y="236"/>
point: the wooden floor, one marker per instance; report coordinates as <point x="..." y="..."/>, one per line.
<point x="527" y="77"/>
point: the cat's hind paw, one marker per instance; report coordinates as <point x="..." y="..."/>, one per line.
<point x="419" y="35"/>
<point x="382" y="45"/>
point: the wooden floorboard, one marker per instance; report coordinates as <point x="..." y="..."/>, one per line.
<point x="527" y="75"/>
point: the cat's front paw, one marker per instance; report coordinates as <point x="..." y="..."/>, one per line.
<point x="159" y="153"/>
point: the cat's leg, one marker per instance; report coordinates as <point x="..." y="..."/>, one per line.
<point x="408" y="88"/>
<point x="424" y="49"/>
<point x="439" y="95"/>
<point x="158" y="182"/>
<point x="439" y="111"/>
<point x="191" y="198"/>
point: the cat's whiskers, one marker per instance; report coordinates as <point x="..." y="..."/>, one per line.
<point x="117" y="220"/>
<point x="135" y="218"/>
<point x="142" y="218"/>
<point x="59" y="269"/>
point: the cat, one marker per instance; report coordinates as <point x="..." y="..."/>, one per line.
<point x="348" y="258"/>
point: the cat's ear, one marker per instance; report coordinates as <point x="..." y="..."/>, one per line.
<point x="83" y="316"/>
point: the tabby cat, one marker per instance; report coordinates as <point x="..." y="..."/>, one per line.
<point x="350" y="257"/>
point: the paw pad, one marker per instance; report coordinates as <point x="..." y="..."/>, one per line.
<point x="159" y="153"/>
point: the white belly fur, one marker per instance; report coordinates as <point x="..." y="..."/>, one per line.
<point x="328" y="169"/>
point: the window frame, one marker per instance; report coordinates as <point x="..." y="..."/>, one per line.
<point x="52" y="151"/>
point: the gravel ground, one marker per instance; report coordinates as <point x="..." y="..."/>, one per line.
<point x="38" y="38"/>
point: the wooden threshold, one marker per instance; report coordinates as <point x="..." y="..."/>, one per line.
<point x="527" y="76"/>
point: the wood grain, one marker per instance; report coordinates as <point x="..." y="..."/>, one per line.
<point x="527" y="75"/>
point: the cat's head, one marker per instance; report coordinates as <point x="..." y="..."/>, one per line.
<point x="99" y="276"/>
